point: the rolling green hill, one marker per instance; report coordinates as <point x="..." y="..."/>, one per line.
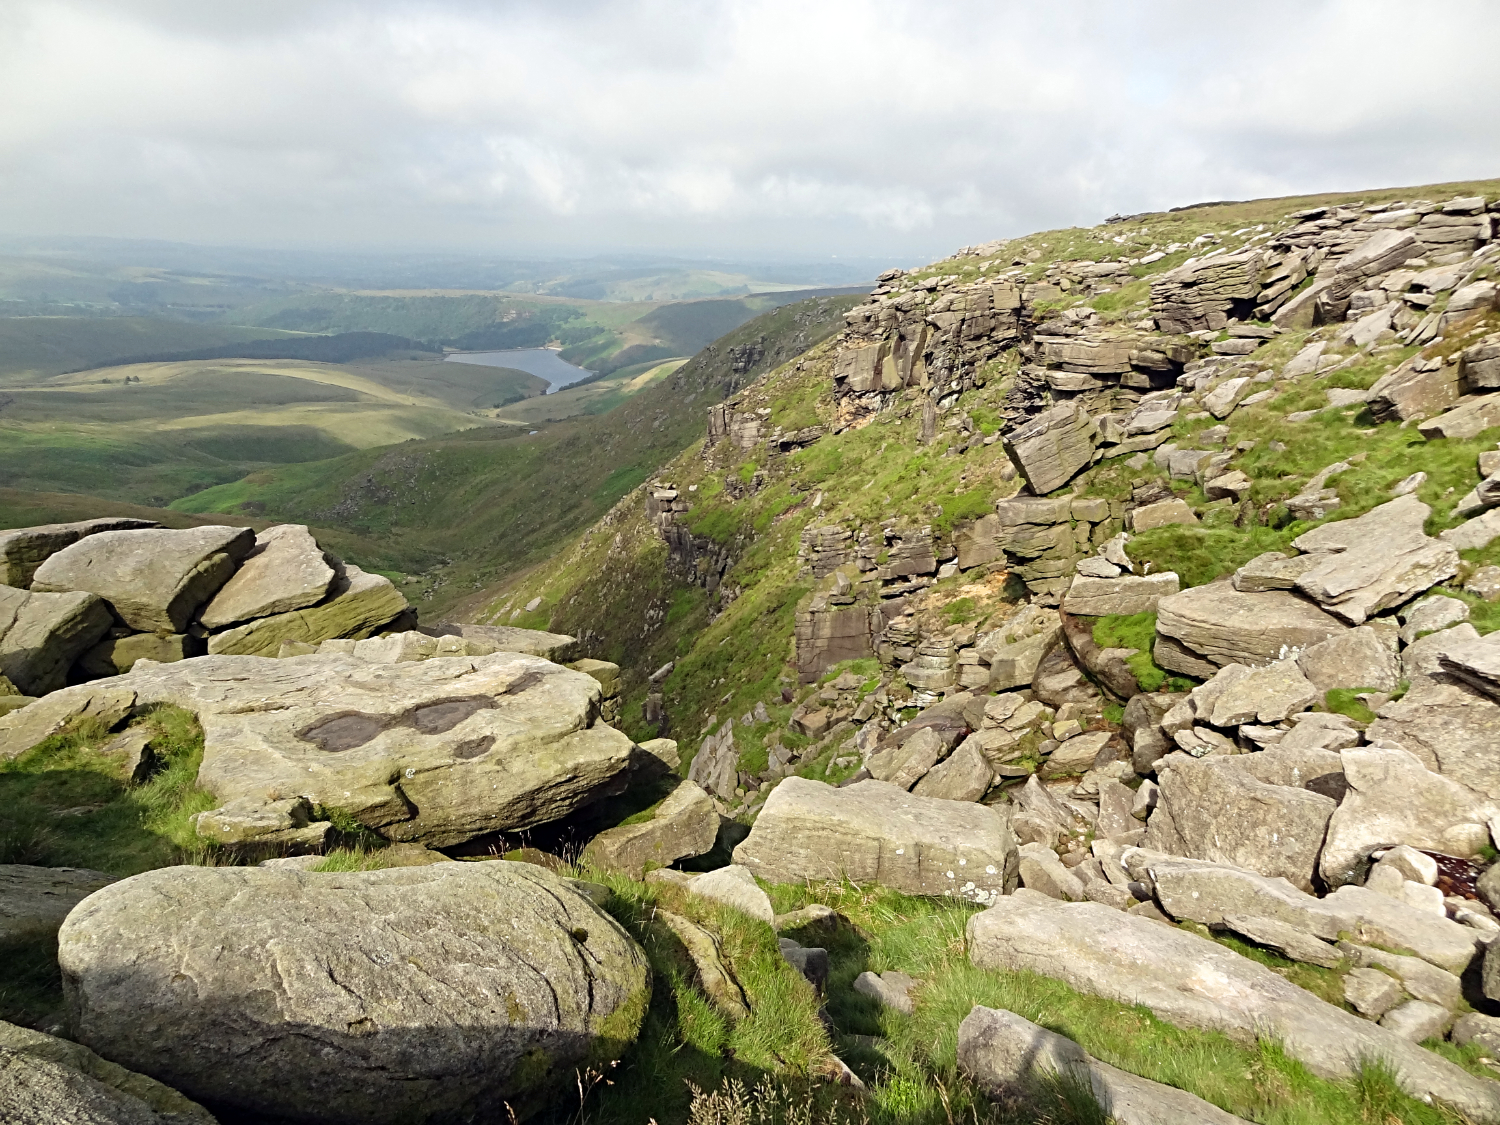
<point x="490" y="501"/>
<point x="35" y="347"/>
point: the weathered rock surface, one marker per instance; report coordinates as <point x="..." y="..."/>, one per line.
<point x="734" y="886"/>
<point x="1101" y="597"/>
<point x="379" y="996"/>
<point x="356" y="605"/>
<point x="1356" y="659"/>
<point x="1288" y="940"/>
<point x="49" y="1081"/>
<point x="1050" y="449"/>
<point x="1377" y="561"/>
<point x="42" y="634"/>
<point x="714" y="976"/>
<point x="285" y="570"/>
<point x="114" y="656"/>
<point x="1009" y="1056"/>
<point x="1200" y="891"/>
<point x="873" y="832"/>
<point x="556" y="647"/>
<point x="23" y="728"/>
<point x="35" y="900"/>
<point x="1197" y="984"/>
<point x="964" y="775"/>
<point x="1417" y="977"/>
<point x="685" y="824"/>
<point x="434" y="752"/>
<point x="1218" y="625"/>
<point x="1217" y="809"/>
<point x="23" y="549"/>
<point x="1394" y="799"/>
<point x="889" y="990"/>
<point x="154" y="580"/>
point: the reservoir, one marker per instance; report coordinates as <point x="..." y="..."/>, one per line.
<point x="541" y="362"/>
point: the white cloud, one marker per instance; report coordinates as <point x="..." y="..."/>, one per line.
<point x="874" y="127"/>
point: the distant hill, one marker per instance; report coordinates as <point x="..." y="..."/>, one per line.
<point x="37" y="347"/>
<point x="491" y="500"/>
<point x="341" y="348"/>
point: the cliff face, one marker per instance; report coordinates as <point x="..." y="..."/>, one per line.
<point x="983" y="425"/>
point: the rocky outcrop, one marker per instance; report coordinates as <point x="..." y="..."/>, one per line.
<point x="1051" y="448"/>
<point x="154" y="581"/>
<point x="24" y="549"/>
<point x="1206" y="627"/>
<point x="50" y="1081"/>
<point x="42" y="634"/>
<point x="1220" y="809"/>
<point x="1203" y="295"/>
<point x="1197" y="984"/>
<point x="1378" y="561"/>
<point x="356" y="605"/>
<point x="872" y="832"/>
<point x="1394" y="799"/>
<point x="285" y="570"/>
<point x="378" y="996"/>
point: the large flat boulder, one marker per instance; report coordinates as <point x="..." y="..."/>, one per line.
<point x="154" y="580"/>
<point x="873" y="832"/>
<point x="1218" y="809"/>
<point x="414" y="993"/>
<point x="49" y="1081"/>
<point x="42" y="634"/>
<point x="1011" y="1057"/>
<point x="1376" y="561"/>
<point x="1103" y="597"/>
<point x="1052" y="448"/>
<point x="434" y="752"/>
<point x="1200" y="985"/>
<point x="357" y="604"/>
<point x="285" y="570"/>
<point x="1202" y="295"/>
<point x="1214" y="625"/>
<point x="23" y="549"/>
<point x="35" y="900"/>
<point x="1394" y="799"/>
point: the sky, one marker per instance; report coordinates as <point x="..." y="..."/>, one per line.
<point x="807" y="129"/>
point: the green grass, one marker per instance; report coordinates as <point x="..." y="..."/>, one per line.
<point x="70" y="806"/>
<point x="912" y="1070"/>
<point x="1342" y="701"/>
<point x="1138" y="631"/>
<point x="686" y="1039"/>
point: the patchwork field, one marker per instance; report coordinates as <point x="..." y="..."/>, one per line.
<point x="153" y="432"/>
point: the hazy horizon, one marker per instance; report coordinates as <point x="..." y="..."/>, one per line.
<point x="755" y="131"/>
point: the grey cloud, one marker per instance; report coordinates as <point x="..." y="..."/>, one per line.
<point x="876" y="127"/>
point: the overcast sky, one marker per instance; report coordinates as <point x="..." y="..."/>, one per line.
<point x="804" y="129"/>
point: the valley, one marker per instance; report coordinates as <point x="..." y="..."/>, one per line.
<point x="1057" y="684"/>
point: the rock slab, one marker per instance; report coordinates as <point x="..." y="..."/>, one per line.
<point x="1009" y="1055"/>
<point x="154" y="580"/>
<point x="285" y="570"/>
<point x="873" y="832"/>
<point x="381" y="996"/>
<point x="1200" y="985"/>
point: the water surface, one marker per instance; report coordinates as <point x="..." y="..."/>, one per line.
<point x="541" y="362"/>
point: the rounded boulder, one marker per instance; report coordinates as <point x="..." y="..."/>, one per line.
<point x="438" y="993"/>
